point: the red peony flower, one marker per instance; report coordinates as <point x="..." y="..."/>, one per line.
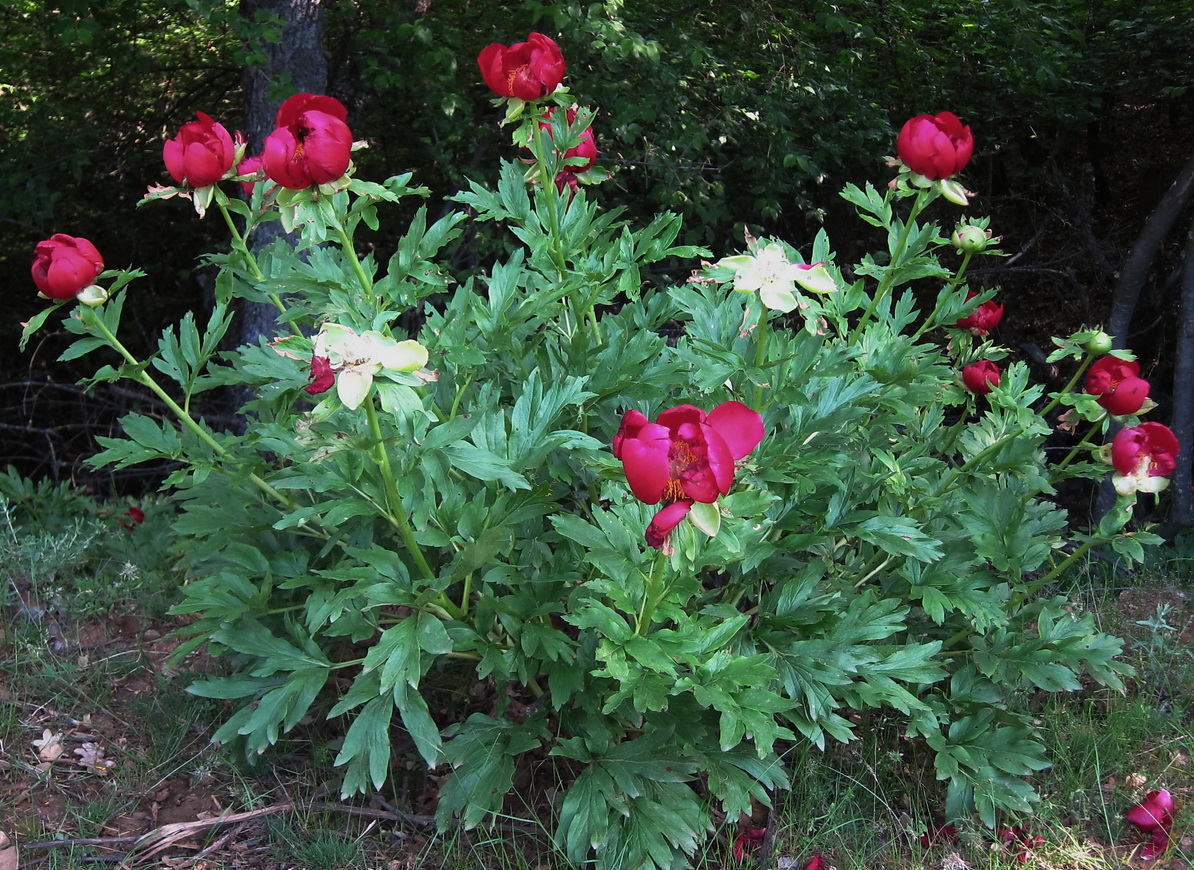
<point x="201" y="154"/>
<point x="935" y="146"/>
<point x="586" y="149"/>
<point x="1118" y="385"/>
<point x="526" y="70"/>
<point x="311" y="145"/>
<point x="1153" y="816"/>
<point x="981" y="376"/>
<point x="983" y="319"/>
<point x="685" y="456"/>
<point x="1144" y="457"/>
<point x="64" y="265"/>
<point x="135" y="516"/>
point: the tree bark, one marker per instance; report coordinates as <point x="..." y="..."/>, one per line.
<point x="1135" y="270"/>
<point x="1181" y="516"/>
<point x="299" y="55"/>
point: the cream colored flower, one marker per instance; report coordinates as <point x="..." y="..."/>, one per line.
<point x="357" y="357"/>
<point x="769" y="272"/>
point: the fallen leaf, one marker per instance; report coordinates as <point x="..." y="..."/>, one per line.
<point x="91" y="756"/>
<point x="50" y="746"/>
<point x="8" y="853"/>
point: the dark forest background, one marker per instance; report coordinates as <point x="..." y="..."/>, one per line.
<point x="750" y="117"/>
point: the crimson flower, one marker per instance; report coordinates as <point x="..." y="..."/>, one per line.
<point x="135" y="517"/>
<point x="1118" y="385"/>
<point x="981" y="376"/>
<point x="585" y="149"/>
<point x="201" y="153"/>
<point x="1144" y="456"/>
<point x="1153" y="816"/>
<point x="526" y="70"/>
<point x="64" y="265"/>
<point x="983" y="319"/>
<point x="323" y="377"/>
<point x="685" y="456"/>
<point x="312" y="143"/>
<point x="935" y="146"/>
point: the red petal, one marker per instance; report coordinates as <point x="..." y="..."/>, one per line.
<point x="632" y="422"/>
<point x="676" y="417"/>
<point x="665" y="521"/>
<point x="741" y="427"/>
<point x="322" y="376"/>
<point x="1157" y="845"/>
<point x="1156" y="810"/>
<point x="645" y="458"/>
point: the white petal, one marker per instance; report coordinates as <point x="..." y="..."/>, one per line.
<point x="352" y="386"/>
<point x="779" y="297"/>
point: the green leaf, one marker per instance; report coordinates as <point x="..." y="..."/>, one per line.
<point x="366" y="748"/>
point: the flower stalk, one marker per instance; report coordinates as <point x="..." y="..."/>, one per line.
<point x="923" y="198"/>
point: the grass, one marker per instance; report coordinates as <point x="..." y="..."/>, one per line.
<point x="95" y="674"/>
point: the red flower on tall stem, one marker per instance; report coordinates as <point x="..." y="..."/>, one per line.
<point x="1144" y="456"/>
<point x="64" y="265"/>
<point x="311" y="145"/>
<point x="981" y="377"/>
<point x="526" y="70"/>
<point x="685" y="456"/>
<point x="1118" y="385"/>
<point x="935" y="146"/>
<point x="983" y="319"/>
<point x="201" y="153"/>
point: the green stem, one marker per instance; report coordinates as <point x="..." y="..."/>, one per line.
<point x="652" y="595"/>
<point x="239" y="244"/>
<point x="350" y="252"/>
<point x="395" y="512"/>
<point x="551" y="195"/>
<point x="1090" y="357"/>
<point x="885" y="283"/>
<point x="952" y="286"/>
<point x="973" y="461"/>
<point x="1084" y="444"/>
<point x="1031" y="588"/>
<point x="547" y="184"/>
<point x="93" y="319"/>
<point x="762" y="332"/>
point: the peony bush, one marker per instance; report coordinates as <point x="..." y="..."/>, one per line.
<point x="637" y="546"/>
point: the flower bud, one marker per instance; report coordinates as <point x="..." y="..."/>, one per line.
<point x="969" y="239"/>
<point x="93" y="295"/>
<point x="1099" y="343"/>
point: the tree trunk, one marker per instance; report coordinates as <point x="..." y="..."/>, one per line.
<point x="1135" y="271"/>
<point x="299" y="56"/>
<point x="1182" y="514"/>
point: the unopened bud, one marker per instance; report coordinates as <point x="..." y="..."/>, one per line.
<point x="969" y="239"/>
<point x="93" y="295"/>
